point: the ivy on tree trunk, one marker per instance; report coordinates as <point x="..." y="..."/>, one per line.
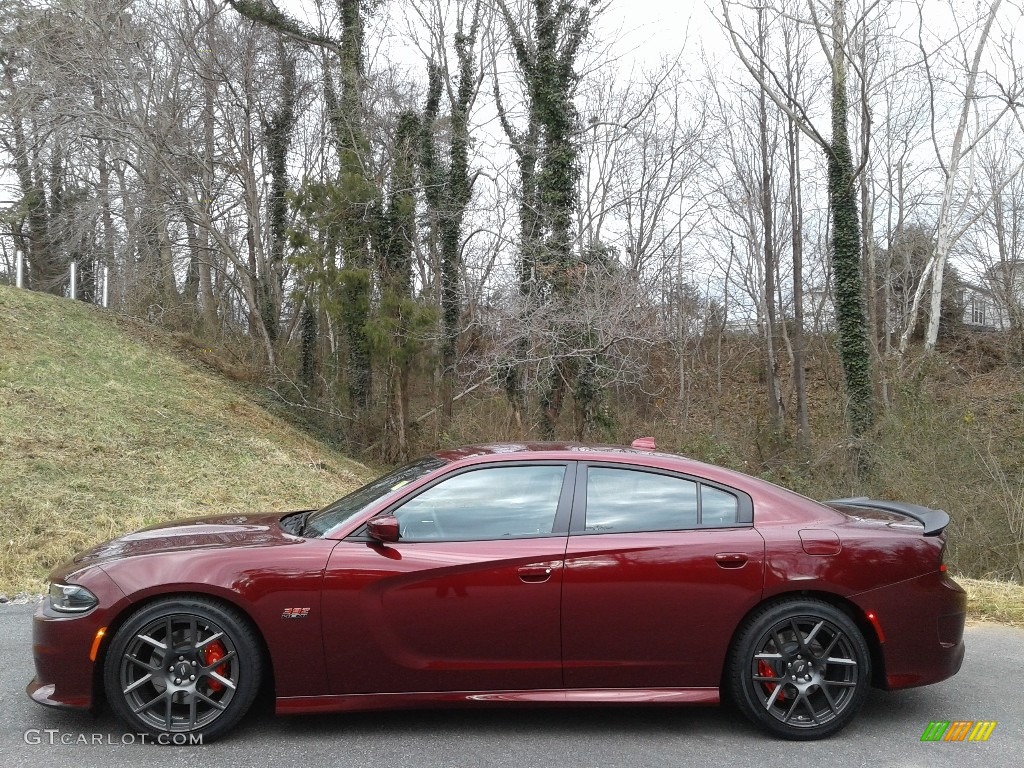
<point x="278" y="137"/>
<point x="449" y="188"/>
<point x="549" y="172"/>
<point x="846" y="248"/>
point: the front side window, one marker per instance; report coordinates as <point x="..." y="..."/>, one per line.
<point x="485" y="504"/>
<point x="333" y="515"/>
<point x="627" y="500"/>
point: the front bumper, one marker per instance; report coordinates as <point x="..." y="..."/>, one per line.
<point x="60" y="647"/>
<point x="63" y="643"/>
<point x="46" y="694"/>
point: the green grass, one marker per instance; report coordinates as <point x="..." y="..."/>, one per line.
<point x="997" y="601"/>
<point x="102" y="432"/>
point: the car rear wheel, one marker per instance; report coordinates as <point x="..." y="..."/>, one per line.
<point x="184" y="666"/>
<point x="800" y="668"/>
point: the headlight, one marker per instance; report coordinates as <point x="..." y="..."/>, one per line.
<point x="71" y="598"/>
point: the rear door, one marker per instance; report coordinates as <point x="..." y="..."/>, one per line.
<point x="468" y="599"/>
<point x="659" y="569"/>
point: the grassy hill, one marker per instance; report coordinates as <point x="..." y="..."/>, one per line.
<point x="105" y="426"/>
<point x="102" y="432"/>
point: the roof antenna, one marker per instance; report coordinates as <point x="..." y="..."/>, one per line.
<point x="644" y="444"/>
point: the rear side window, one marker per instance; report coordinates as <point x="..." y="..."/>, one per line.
<point x="628" y="500"/>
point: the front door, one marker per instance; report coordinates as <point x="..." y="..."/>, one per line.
<point x="469" y="597"/>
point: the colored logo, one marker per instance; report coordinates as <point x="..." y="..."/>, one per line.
<point x="958" y="730"/>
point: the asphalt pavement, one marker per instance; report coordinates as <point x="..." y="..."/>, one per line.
<point x="887" y="733"/>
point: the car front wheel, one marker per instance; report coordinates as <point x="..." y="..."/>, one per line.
<point x="182" y="666"/>
<point x="800" y="668"/>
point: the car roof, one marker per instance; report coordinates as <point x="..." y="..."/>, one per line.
<point x="591" y="449"/>
<point x="639" y="457"/>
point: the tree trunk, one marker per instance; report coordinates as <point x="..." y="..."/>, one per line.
<point x="775" y="407"/>
<point x="846" y="249"/>
<point x="42" y="273"/>
<point x="359" y="196"/>
<point x="206" y="250"/>
<point x="797" y="336"/>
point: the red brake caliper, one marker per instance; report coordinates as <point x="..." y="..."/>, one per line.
<point x="213" y="653"/>
<point x="764" y="669"/>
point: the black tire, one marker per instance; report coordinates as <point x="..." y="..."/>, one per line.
<point x="200" y="683"/>
<point x="801" y="669"/>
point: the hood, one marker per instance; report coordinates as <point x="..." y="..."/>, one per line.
<point x="214" y="532"/>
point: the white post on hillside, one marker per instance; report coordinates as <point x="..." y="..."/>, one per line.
<point x="19" y="281"/>
<point x="74" y="275"/>
<point x="106" y="285"/>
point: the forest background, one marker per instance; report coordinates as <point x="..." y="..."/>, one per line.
<point x="784" y="237"/>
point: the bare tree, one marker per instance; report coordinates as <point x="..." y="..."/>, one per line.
<point x="993" y="248"/>
<point x="830" y="24"/>
<point x="900" y="174"/>
<point x="955" y="56"/>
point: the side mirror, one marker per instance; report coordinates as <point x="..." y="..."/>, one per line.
<point x="383" y="528"/>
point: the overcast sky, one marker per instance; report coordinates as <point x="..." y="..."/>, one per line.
<point x="652" y="28"/>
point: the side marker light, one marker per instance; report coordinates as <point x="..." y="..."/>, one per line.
<point x="876" y="624"/>
<point x="96" y="643"/>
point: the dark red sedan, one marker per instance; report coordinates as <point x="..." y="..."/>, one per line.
<point x="512" y="574"/>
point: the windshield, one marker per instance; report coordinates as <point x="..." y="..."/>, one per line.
<point x="320" y="522"/>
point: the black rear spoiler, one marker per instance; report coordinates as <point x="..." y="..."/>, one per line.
<point x="933" y="520"/>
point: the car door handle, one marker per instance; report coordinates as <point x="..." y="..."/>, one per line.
<point x="731" y="559"/>
<point x="535" y="574"/>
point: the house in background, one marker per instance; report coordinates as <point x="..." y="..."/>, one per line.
<point x="982" y="308"/>
<point x="997" y="300"/>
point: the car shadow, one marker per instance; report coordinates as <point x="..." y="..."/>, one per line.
<point x="883" y="712"/>
<point x="537" y="721"/>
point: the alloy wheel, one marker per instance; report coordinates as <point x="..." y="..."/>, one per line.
<point x="188" y="666"/>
